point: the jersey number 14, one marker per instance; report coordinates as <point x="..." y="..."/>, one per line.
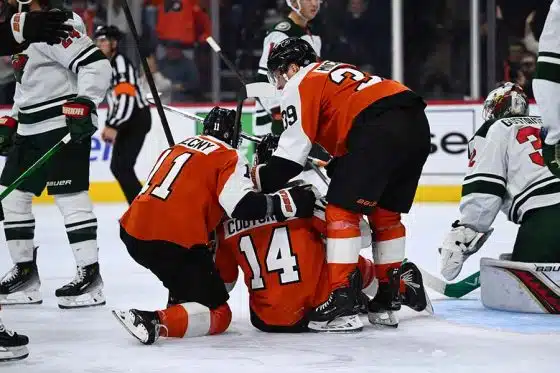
<point x="279" y="258"/>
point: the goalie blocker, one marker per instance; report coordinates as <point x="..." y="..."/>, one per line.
<point x="520" y="286"/>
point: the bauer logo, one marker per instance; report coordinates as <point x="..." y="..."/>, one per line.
<point x="553" y="268"/>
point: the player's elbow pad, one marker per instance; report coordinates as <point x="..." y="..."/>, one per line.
<point x="251" y="207"/>
<point x="276" y="173"/>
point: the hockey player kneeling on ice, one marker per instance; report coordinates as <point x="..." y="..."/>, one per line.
<point x="166" y="229"/>
<point x="506" y="171"/>
<point x="58" y="89"/>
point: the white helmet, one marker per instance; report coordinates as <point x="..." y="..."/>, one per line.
<point x="505" y="101"/>
<point x="298" y="9"/>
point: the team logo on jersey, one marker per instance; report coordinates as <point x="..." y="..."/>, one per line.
<point x="283" y="26"/>
<point x="18" y="63"/>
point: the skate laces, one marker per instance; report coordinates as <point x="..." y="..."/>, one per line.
<point x="80" y="275"/>
<point x="10" y="276"/>
<point x="7" y="331"/>
<point x="407" y="278"/>
<point x="326" y="304"/>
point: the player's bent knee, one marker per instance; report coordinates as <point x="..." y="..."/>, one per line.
<point x="520" y="286"/>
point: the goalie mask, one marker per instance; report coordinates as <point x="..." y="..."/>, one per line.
<point x="290" y="51"/>
<point x="220" y="123"/>
<point x="508" y="100"/>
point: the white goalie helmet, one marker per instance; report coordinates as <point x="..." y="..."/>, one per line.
<point x="506" y="101"/>
<point x="298" y="8"/>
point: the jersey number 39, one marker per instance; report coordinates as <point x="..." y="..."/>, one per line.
<point x="279" y="258"/>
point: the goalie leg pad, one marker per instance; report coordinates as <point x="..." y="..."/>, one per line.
<point x="519" y="286"/>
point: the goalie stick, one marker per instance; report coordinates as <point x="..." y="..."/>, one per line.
<point x="454" y="290"/>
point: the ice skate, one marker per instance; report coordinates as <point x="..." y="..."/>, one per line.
<point x="415" y="295"/>
<point x="142" y="325"/>
<point x="13" y="346"/>
<point x="340" y="312"/>
<point x="382" y="308"/>
<point x="85" y="290"/>
<point x="21" y="285"/>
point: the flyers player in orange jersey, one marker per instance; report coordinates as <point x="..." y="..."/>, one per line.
<point x="379" y="135"/>
<point x="167" y="228"/>
<point x="284" y="265"/>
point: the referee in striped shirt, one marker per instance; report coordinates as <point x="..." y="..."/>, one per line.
<point x="128" y="119"/>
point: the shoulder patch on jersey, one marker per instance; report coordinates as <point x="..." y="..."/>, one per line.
<point x="283" y="26"/>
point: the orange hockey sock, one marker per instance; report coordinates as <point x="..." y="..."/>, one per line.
<point x="194" y="320"/>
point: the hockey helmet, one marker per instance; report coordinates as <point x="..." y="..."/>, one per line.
<point x="265" y="149"/>
<point x="220" y="123"/>
<point x="289" y="51"/>
<point x="508" y="100"/>
<point x="107" y="32"/>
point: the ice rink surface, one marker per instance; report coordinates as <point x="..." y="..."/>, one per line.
<point x="461" y="337"/>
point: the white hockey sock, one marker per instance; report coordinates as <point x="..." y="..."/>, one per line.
<point x="19" y="225"/>
<point x="81" y="226"/>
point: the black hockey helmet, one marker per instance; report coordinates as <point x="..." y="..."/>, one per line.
<point x="508" y="100"/>
<point x="289" y="51"/>
<point x="265" y="148"/>
<point x="107" y="32"/>
<point x="220" y="123"/>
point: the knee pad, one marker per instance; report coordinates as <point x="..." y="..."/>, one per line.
<point x="75" y="207"/>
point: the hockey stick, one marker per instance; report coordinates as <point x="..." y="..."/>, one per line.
<point x="65" y="140"/>
<point x="257" y="140"/>
<point x="455" y="290"/>
<point x="149" y="77"/>
<point x="218" y="50"/>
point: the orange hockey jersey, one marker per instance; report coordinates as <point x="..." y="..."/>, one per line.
<point x="283" y="264"/>
<point x="320" y="102"/>
<point x="191" y="186"/>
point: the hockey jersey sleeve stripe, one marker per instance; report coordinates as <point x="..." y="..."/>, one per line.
<point x="83" y="54"/>
<point x="552" y="188"/>
<point x="97" y="55"/>
<point x="529" y="190"/>
<point x="483" y="187"/>
<point x="550" y="54"/>
<point x="547" y="70"/>
<point x="39" y="116"/>
<point x="46" y="104"/>
<point x="485" y="176"/>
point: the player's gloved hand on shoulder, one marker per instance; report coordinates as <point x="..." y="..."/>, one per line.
<point x="265" y="149"/>
<point x="46" y="27"/>
<point x="551" y="154"/>
<point x="458" y="245"/>
<point x="8" y="127"/>
<point x="80" y="115"/>
<point x="297" y="201"/>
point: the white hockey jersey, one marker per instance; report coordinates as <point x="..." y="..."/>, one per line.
<point x="506" y="171"/>
<point x="280" y="32"/>
<point x="546" y="82"/>
<point x="48" y="75"/>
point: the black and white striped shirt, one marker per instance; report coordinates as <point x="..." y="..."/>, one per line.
<point x="125" y="97"/>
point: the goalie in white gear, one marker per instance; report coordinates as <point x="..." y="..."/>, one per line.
<point x="506" y="171"/>
<point x="58" y="90"/>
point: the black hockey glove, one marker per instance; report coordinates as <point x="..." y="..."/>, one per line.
<point x="265" y="148"/>
<point x="46" y="27"/>
<point x="8" y="127"/>
<point x="80" y="115"/>
<point x="298" y="201"/>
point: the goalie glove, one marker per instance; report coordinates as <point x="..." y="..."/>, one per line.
<point x="458" y="245"/>
<point x="297" y="201"/>
<point x="8" y="127"/>
<point x="80" y="117"/>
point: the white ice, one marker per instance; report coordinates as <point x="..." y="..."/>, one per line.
<point x="463" y="338"/>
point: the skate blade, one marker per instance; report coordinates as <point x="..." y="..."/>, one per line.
<point x="429" y="307"/>
<point x="13" y="353"/>
<point x="389" y="319"/>
<point x="21" y="298"/>
<point x="93" y="299"/>
<point x="121" y="316"/>
<point x="345" y="324"/>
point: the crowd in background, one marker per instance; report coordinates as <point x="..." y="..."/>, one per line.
<point x="436" y="34"/>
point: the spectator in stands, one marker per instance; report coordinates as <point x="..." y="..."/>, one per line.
<point x="181" y="26"/>
<point x="512" y="64"/>
<point x="526" y="73"/>
<point x="163" y="84"/>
